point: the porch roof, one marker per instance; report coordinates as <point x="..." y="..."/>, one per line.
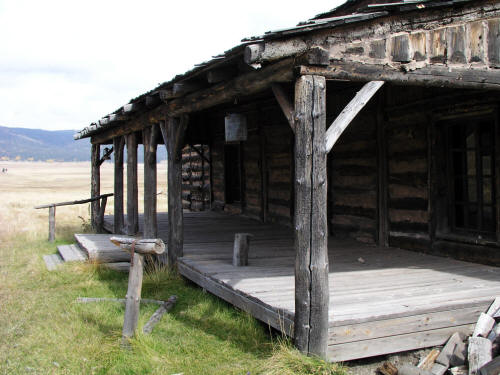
<point x="275" y="47"/>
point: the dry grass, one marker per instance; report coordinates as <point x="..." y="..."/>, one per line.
<point x="43" y="331"/>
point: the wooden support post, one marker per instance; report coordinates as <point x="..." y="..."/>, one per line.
<point x="173" y="131"/>
<point x="311" y="264"/>
<point x="132" y="190"/>
<point x="382" y="216"/>
<point x="240" y="249"/>
<point x="133" y="297"/>
<point x="100" y="217"/>
<point x="95" y="185"/>
<point x="150" y="220"/>
<point x="52" y="223"/>
<point x="118" y="224"/>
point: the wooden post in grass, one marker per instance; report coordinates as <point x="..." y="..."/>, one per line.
<point x="52" y="223"/>
<point x="137" y="249"/>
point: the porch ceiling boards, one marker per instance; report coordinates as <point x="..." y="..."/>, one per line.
<point x="382" y="300"/>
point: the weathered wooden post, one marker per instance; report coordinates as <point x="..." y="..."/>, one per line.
<point x="118" y="145"/>
<point x="173" y="134"/>
<point x="95" y="185"/>
<point x="311" y="264"/>
<point x="52" y="223"/>
<point x="132" y="189"/>
<point x="149" y="138"/>
<point x="137" y="249"/>
<point x="240" y="249"/>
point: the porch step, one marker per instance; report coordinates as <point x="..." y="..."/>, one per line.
<point x="52" y="261"/>
<point x="72" y="253"/>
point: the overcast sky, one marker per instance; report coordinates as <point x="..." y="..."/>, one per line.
<point x="65" y="64"/>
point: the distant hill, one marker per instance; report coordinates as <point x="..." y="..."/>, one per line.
<point x="42" y="145"/>
<point x="38" y="144"/>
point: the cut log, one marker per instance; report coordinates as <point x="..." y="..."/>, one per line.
<point x="439" y="369"/>
<point x="483" y="326"/>
<point x="448" y="350"/>
<point x="240" y="249"/>
<point x="479" y="353"/>
<point x="428" y="361"/>
<point x="491" y="368"/>
<point x="143" y="246"/>
<point x="494" y="310"/>
<point x="412" y="370"/>
<point x="273" y="50"/>
<point x="157" y="315"/>
<point x="388" y="368"/>
<point x="494" y="333"/>
<point x="459" y="370"/>
<point x="459" y="356"/>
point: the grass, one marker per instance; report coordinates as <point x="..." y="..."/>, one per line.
<point x="44" y="331"/>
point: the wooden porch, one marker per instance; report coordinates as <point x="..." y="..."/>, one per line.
<point x="382" y="300"/>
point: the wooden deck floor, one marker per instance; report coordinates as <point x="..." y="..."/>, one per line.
<point x="382" y="300"/>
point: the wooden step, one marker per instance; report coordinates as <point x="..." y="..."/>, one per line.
<point x="100" y="249"/>
<point x="52" y="261"/>
<point x="72" y="253"/>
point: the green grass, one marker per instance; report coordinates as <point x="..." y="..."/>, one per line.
<point x="44" y="331"/>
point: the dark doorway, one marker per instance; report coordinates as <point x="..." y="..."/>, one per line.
<point x="232" y="168"/>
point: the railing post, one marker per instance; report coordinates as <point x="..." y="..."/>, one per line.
<point x="95" y="185"/>
<point x="52" y="223"/>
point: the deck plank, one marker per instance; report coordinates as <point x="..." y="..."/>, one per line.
<point x="392" y="300"/>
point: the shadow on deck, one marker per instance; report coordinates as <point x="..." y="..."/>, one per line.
<point x="382" y="300"/>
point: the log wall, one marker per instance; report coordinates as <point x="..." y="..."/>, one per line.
<point x="352" y="173"/>
<point x="196" y="178"/>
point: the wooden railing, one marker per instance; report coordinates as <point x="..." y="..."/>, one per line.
<point x="99" y="222"/>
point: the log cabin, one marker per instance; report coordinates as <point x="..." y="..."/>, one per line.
<point x="360" y="148"/>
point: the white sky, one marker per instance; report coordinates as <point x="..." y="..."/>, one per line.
<point x="65" y="64"/>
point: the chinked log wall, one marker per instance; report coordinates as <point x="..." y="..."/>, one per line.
<point x="267" y="166"/>
<point x="196" y="177"/>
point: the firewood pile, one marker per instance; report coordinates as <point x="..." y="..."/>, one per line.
<point x="478" y="354"/>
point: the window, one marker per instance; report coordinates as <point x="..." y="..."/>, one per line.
<point x="471" y="175"/>
<point x="232" y="168"/>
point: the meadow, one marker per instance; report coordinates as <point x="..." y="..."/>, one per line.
<point x="44" y="331"/>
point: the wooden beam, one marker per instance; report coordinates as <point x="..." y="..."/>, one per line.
<point x="273" y="50"/>
<point x="95" y="185"/>
<point x="220" y="75"/>
<point x="430" y="76"/>
<point x="173" y="131"/>
<point x="149" y="139"/>
<point x="225" y="92"/>
<point x="350" y="111"/>
<point x="285" y="103"/>
<point x="118" y="217"/>
<point x="132" y="189"/>
<point x="311" y="265"/>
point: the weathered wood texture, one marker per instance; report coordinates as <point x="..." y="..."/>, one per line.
<point x="311" y="231"/>
<point x="95" y="185"/>
<point x="241" y="248"/>
<point x="150" y="139"/>
<point x="196" y="177"/>
<point x="267" y="166"/>
<point x="118" y="146"/>
<point x="133" y="298"/>
<point x="173" y="131"/>
<point x="157" y="315"/>
<point x="396" y="300"/>
<point x="132" y="188"/>
<point x="352" y="172"/>
<point x="350" y="111"/>
<point x="52" y="223"/>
